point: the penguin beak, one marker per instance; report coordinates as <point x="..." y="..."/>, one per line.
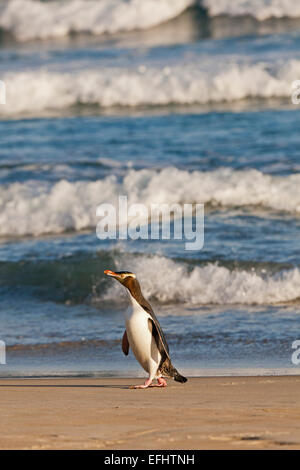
<point x="108" y="272"/>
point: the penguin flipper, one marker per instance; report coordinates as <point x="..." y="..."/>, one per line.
<point x="159" y="338"/>
<point x="125" y="344"/>
<point x="162" y="344"/>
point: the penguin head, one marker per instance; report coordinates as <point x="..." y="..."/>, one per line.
<point x="129" y="281"/>
<point x="124" y="277"/>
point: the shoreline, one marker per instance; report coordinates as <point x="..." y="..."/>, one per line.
<point x="135" y="375"/>
<point x="256" y="412"/>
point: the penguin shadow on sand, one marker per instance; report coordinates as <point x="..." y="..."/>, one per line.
<point x="117" y="386"/>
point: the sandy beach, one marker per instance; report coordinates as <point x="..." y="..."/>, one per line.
<point x="205" y="413"/>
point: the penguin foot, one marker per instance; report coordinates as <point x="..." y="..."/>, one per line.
<point x="160" y="383"/>
<point x="147" y="384"/>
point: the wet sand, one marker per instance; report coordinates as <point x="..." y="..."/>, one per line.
<point x="204" y="413"/>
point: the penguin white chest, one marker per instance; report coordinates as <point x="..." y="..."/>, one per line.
<point x="141" y="341"/>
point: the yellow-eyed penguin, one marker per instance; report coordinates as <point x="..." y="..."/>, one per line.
<point x="144" y="335"/>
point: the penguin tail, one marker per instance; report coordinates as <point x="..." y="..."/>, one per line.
<point x="177" y="377"/>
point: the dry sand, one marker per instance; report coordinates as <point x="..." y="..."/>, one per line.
<point x="205" y="413"/>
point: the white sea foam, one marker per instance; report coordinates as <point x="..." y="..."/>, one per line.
<point x="210" y="284"/>
<point x="32" y="19"/>
<point x="259" y="9"/>
<point x="37" y="208"/>
<point x="35" y="91"/>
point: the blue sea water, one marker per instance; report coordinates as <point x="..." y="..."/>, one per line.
<point x="196" y="109"/>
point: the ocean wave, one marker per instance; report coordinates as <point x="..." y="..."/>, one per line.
<point x="210" y="284"/>
<point x="79" y="279"/>
<point x="37" y="208"/>
<point x="259" y="9"/>
<point x="69" y="279"/>
<point x="35" y="91"/>
<point x="32" y="19"/>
